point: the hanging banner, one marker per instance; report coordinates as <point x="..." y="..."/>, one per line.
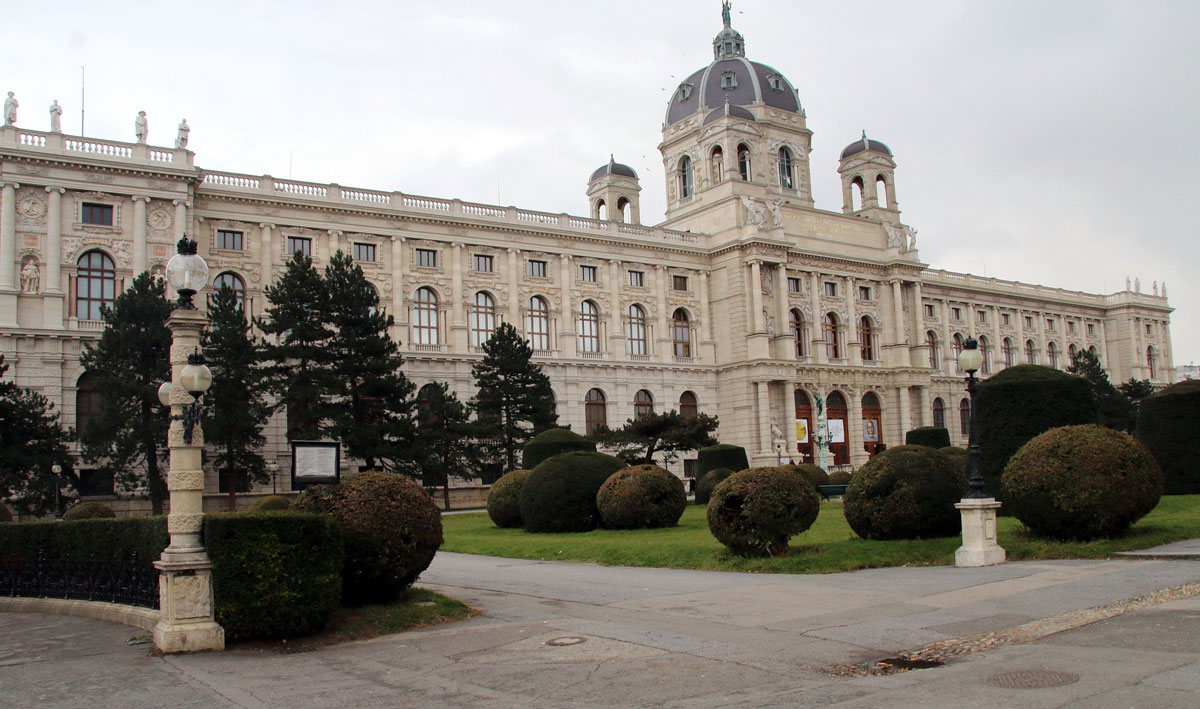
<point x="801" y="431"/>
<point x="837" y="430"/>
<point x="870" y="430"/>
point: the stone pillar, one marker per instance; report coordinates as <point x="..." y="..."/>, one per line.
<point x="266" y="252"/>
<point x="979" y="546"/>
<point x="918" y="317"/>
<point x="186" y="622"/>
<point x="786" y="349"/>
<point x="944" y="365"/>
<point x="707" y="347"/>
<point x="52" y="295"/>
<point x="514" y="292"/>
<point x="8" y="254"/>
<point x="616" y="335"/>
<point x="997" y="340"/>
<point x="566" y="329"/>
<point x="335" y="241"/>
<point x="399" y="312"/>
<point x="138" y="257"/>
<point x="458" y="323"/>
<point x="926" y="415"/>
<point x="853" y="355"/>
<point x="764" y="419"/>
<point x="756" y="308"/>
<point x="904" y="411"/>
<point x="1042" y="341"/>
<point x="663" y="336"/>
<point x="181" y="207"/>
<point x="818" y="338"/>
<point x="897" y="312"/>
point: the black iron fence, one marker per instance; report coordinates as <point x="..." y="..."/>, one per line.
<point x="133" y="583"/>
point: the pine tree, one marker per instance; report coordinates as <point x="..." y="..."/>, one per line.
<point x="31" y="441"/>
<point x="1114" y="409"/>
<point x="129" y="362"/>
<point x="642" y="437"/>
<point x="448" y="438"/>
<point x="515" y="402"/>
<point x="298" y="363"/>
<point x="373" y="413"/>
<point x="234" y="411"/>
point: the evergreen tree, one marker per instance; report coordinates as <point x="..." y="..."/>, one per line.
<point x="515" y="402"/>
<point x="298" y="363"/>
<point x="1136" y="390"/>
<point x="1114" y="409"/>
<point x="234" y="411"/>
<point x="31" y="441"/>
<point x="641" y="438"/>
<point x="448" y="438"/>
<point x="373" y="412"/>
<point x="129" y="362"/>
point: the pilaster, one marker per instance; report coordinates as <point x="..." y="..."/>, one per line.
<point x="138" y="257"/>
<point x="8" y="254"/>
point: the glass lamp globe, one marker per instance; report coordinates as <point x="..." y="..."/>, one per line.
<point x="970" y="359"/>
<point x="187" y="272"/>
<point x="164" y="393"/>
<point x="196" y="378"/>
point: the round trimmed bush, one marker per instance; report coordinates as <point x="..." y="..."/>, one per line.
<point x="840" y="477"/>
<point x="560" y="493"/>
<point x="550" y="443"/>
<point x="906" y="492"/>
<point x="710" y="480"/>
<point x="722" y="455"/>
<point x="1082" y="482"/>
<point x="272" y="503"/>
<point x="1020" y="402"/>
<point x="932" y="436"/>
<point x="5" y="515"/>
<point x="1167" y="423"/>
<point x="504" y="499"/>
<point x="89" y="510"/>
<point x="814" y="474"/>
<point x="960" y="458"/>
<point x="756" y="511"/>
<point x="641" y="497"/>
<point x="391" y="529"/>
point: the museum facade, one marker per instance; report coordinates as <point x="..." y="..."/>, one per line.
<point x="748" y="302"/>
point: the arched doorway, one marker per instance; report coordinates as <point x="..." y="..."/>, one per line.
<point x="804" y="427"/>
<point x="872" y="418"/>
<point x="835" y="416"/>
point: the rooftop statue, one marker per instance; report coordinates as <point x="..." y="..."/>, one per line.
<point x="55" y="117"/>
<point x="10" y="110"/>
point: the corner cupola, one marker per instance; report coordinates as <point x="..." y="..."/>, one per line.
<point x="613" y="193"/>
<point x="868" y="173"/>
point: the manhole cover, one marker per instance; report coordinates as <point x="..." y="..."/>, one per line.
<point x="563" y="642"/>
<point x="1032" y="679"/>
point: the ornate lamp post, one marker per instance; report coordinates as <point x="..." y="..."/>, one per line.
<point x="186" y="623"/>
<point x="56" y="469"/>
<point x="273" y="468"/>
<point x="978" y="510"/>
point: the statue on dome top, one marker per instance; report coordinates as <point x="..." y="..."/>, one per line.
<point x="725" y="13"/>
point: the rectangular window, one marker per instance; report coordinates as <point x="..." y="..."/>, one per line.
<point x="1006" y="318"/>
<point x="101" y="214"/>
<point x="537" y="269"/>
<point x="1029" y="322"/>
<point x="637" y="279"/>
<point x="929" y="311"/>
<point x="981" y="315"/>
<point x="427" y="258"/>
<point x="1050" y="324"/>
<point x="679" y="283"/>
<point x="793" y="285"/>
<point x="587" y="274"/>
<point x="299" y="244"/>
<point x="364" y="252"/>
<point x="1149" y="329"/>
<point x="229" y="240"/>
<point x="482" y="262"/>
<point x="956" y="313"/>
<point x="1091" y="328"/>
<point x="689" y="468"/>
<point x="831" y="289"/>
<point x="1071" y="326"/>
<point x="864" y="292"/>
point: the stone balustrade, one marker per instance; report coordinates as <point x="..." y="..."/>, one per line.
<point x="111" y="150"/>
<point x="949" y="278"/>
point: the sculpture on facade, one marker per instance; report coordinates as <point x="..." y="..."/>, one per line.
<point x="141" y="128"/>
<point x="182" y="139"/>
<point x="770" y="328"/>
<point x="725" y="5"/>
<point x="31" y="278"/>
<point x="895" y="237"/>
<point x="776" y="433"/>
<point x="10" y="110"/>
<point x="1128" y="285"/>
<point x="55" y="117"/>
<point x="911" y="233"/>
<point x="776" y="211"/>
<point x="755" y="214"/>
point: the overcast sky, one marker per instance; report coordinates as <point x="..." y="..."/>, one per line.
<point x="1049" y="141"/>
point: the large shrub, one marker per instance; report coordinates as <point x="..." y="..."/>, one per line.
<point x="640" y="497"/>
<point x="5" y="515"/>
<point x="721" y="455"/>
<point x="1167" y="424"/>
<point x="1082" y="482"/>
<point x="391" y="530"/>
<point x="89" y="510"/>
<point x="960" y="458"/>
<point x="504" y="499"/>
<point x="274" y="575"/>
<point x="272" y="503"/>
<point x="709" y="481"/>
<point x="839" y="477"/>
<point x="550" y="443"/>
<point x="931" y="436"/>
<point x="560" y="493"/>
<point x="1019" y="403"/>
<point x="814" y="474"/>
<point x="755" y="512"/>
<point x="906" y="492"/>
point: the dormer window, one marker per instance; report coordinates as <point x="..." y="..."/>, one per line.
<point x="729" y="80"/>
<point x="729" y="47"/>
<point x="775" y="81"/>
<point x="684" y="92"/>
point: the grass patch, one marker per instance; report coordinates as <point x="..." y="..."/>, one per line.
<point x="828" y="546"/>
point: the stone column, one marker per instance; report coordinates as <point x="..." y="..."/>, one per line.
<point x="853" y="353"/>
<point x="138" y="257"/>
<point x="947" y="351"/>
<point x="764" y="418"/>
<point x="266" y="252"/>
<point x="904" y="411"/>
<point x="997" y="340"/>
<point x="818" y="338"/>
<point x="399" y="312"/>
<point x="918" y="317"/>
<point x="8" y="254"/>
<point x="707" y="348"/>
<point x="186" y="622"/>
<point x="335" y="241"/>
<point x="756" y="309"/>
<point x="514" y="292"/>
<point x="1042" y="341"/>
<point x="566" y="329"/>
<point x="181" y="207"/>
<point x="52" y="294"/>
<point x="458" y="323"/>
<point x="663" y="335"/>
<point x="926" y="416"/>
<point x="1019" y="356"/>
<point x="786" y="350"/>
<point x="898" y="312"/>
<point x="616" y="335"/>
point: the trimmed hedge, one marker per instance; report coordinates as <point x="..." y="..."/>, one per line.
<point x="124" y="539"/>
<point x="5" y="515"/>
<point x="1167" y="423"/>
<point x="274" y="575"/>
<point x="504" y="499"/>
<point x="1082" y="482"/>
<point x="931" y="436"/>
<point x="706" y="484"/>
<point x="550" y="443"/>
<point x="391" y="530"/>
<point x="560" y="493"/>
<point x="960" y="458"/>
<point x="840" y="477"/>
<point x="756" y="511"/>
<point x="906" y="492"/>
<point x="641" y="497"/>
<point x="272" y="503"/>
<point x="722" y="455"/>
<point x="89" y="510"/>
<point x="1019" y="403"/>
<point x="814" y="474"/>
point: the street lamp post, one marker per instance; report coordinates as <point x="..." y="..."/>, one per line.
<point x="57" y="470"/>
<point x="186" y="622"/>
<point x="273" y="467"/>
<point x="980" y="547"/>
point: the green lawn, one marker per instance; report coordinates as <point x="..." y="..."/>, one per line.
<point x="827" y="547"/>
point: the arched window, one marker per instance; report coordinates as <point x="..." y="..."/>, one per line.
<point x="856" y="193"/>
<point x="1030" y="352"/>
<point x="425" y="397"/>
<point x="935" y="355"/>
<point x="623" y="209"/>
<point x="939" y="413"/>
<point x="872" y="421"/>
<point x="1072" y="353"/>
<point x="601" y="210"/>
<point x="1094" y="351"/>
<point x="643" y="404"/>
<point x="717" y="160"/>
<point x="687" y="405"/>
<point x="589" y="327"/>
<point x="1152" y="362"/>
<point x="681" y="333"/>
<point x="483" y="318"/>
<point x="1009" y="353"/>
<point x="594" y="411"/>
<point x="235" y="283"/>
<point x="956" y="348"/>
<point x="786" y="169"/>
<point x="964" y="417"/>
<point x="866" y="338"/>
<point x="804" y="426"/>
<point x="537" y="323"/>
<point x="1052" y="354"/>
<point x="881" y="191"/>
<point x="425" y="317"/>
<point x="95" y="284"/>
<point x="743" y="156"/>
<point x="833" y="349"/>
<point x="87" y="401"/>
<point x="685" y="177"/>
<point x="796" y="322"/>
<point x="985" y="349"/>
<point x="635" y="330"/>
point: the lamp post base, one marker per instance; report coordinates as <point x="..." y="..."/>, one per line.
<point x="979" y="546"/>
<point x="186" y="599"/>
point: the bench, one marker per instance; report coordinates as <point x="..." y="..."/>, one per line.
<point x="829" y="491"/>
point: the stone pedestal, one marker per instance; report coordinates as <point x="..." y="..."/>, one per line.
<point x="979" y="533"/>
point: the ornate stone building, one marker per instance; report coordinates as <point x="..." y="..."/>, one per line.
<point x="748" y="302"/>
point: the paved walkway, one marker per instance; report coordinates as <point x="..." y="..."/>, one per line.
<point x="558" y="634"/>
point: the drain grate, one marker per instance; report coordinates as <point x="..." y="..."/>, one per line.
<point x="565" y="641"/>
<point x="1032" y="679"/>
